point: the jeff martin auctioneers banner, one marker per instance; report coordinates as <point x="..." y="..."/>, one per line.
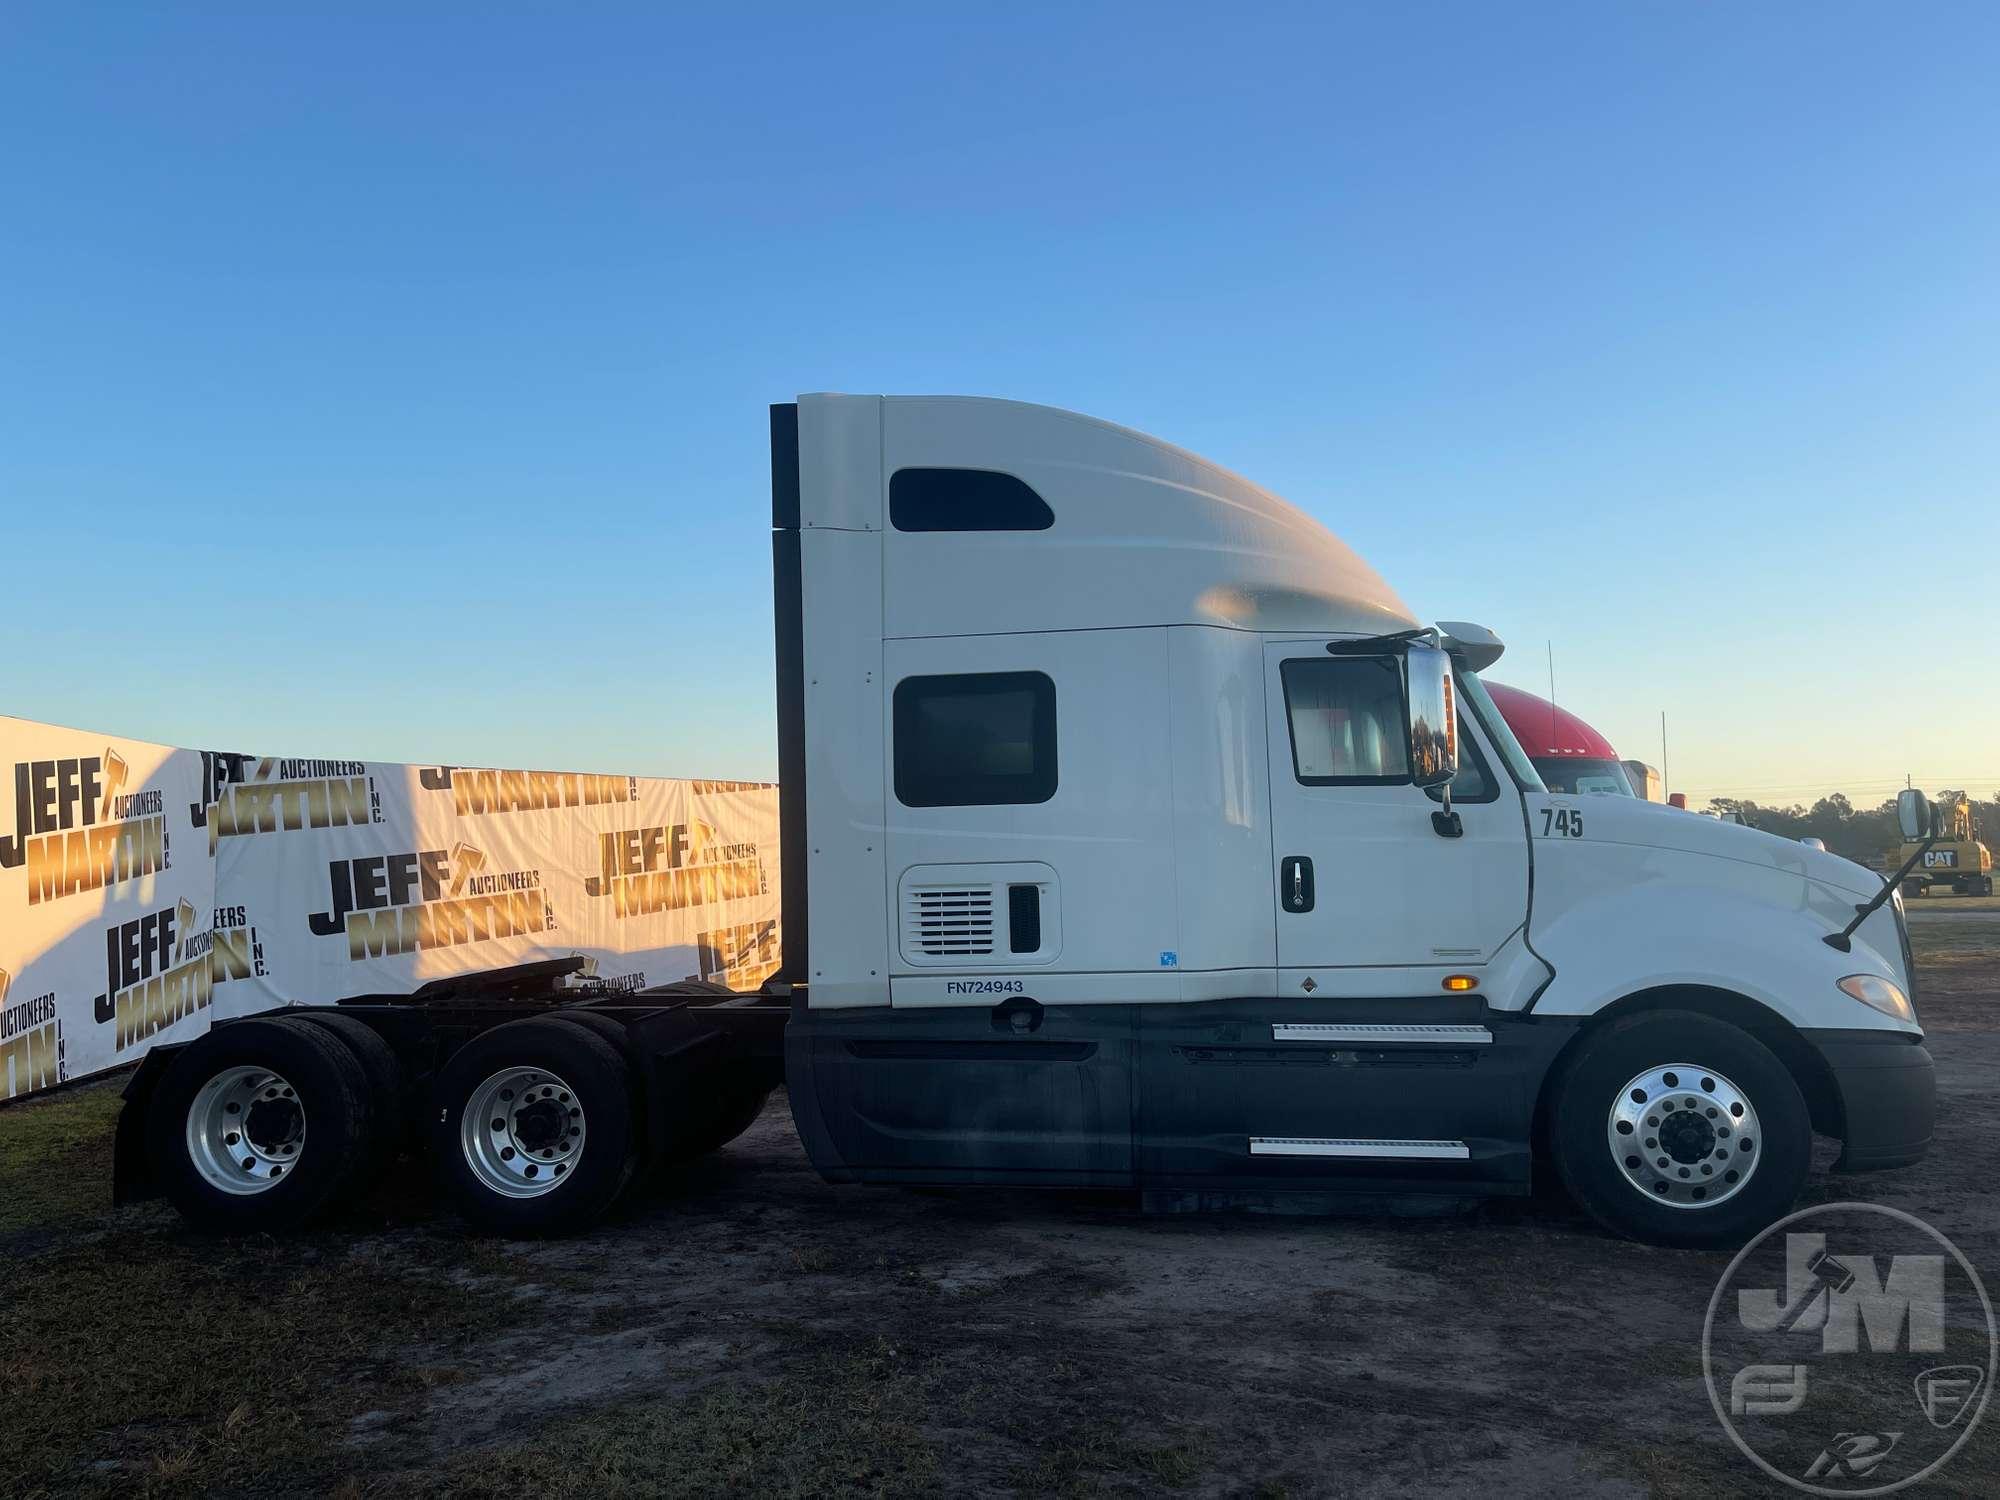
<point x="146" y="890"/>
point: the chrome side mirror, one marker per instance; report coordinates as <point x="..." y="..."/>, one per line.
<point x="1433" y="717"/>
<point x="1914" y="813"/>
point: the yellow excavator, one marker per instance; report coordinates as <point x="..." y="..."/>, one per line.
<point x="1957" y="859"/>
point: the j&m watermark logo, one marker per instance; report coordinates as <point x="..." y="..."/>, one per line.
<point x="1849" y="1350"/>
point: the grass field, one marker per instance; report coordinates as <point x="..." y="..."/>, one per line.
<point x="747" y="1329"/>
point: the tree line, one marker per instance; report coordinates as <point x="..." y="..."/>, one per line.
<point x="1867" y="834"/>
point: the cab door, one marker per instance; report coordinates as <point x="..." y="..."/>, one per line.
<point x="1373" y="897"/>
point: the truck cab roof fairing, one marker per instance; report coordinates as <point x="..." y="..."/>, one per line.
<point x="1144" y="533"/>
<point x="1543" y="728"/>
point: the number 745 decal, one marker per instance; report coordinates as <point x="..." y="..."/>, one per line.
<point x="1562" y="822"/>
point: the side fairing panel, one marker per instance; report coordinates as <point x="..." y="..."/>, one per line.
<point x="945" y="1095"/>
<point x="840" y="463"/>
<point x="840" y="544"/>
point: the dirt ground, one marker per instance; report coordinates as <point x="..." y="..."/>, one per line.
<point x="744" y="1328"/>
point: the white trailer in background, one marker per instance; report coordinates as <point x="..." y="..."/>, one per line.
<point x="1137" y="835"/>
<point x="1646" y="781"/>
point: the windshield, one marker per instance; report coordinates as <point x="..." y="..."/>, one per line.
<point x="1583" y="773"/>
<point x="1495" y="725"/>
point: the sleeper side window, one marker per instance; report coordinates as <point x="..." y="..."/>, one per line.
<point x="1347" y="721"/>
<point x="975" y="739"/>
<point x="965" y="500"/>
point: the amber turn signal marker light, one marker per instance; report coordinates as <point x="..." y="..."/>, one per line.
<point x="1460" y="982"/>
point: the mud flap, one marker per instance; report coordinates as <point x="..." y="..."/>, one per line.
<point x="131" y="1165"/>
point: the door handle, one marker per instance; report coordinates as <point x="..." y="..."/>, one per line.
<point x="1295" y="883"/>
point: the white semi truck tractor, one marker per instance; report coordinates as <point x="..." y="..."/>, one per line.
<point x="1135" y="835"/>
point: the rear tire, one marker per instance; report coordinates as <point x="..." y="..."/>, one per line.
<point x="261" y="1125"/>
<point x="620" y="1041"/>
<point x="594" y="1020"/>
<point x="535" y="1130"/>
<point x="1713" y="1139"/>
<point x="387" y="1095"/>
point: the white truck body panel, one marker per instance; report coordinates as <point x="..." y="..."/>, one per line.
<point x="1649" y="898"/>
<point x="1162" y="604"/>
<point x="1146" y="534"/>
<point x="1107" y="831"/>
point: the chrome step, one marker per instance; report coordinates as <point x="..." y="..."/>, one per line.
<point x="1366" y="1150"/>
<point x="1358" y="1031"/>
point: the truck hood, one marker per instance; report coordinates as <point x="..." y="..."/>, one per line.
<point x="1654" y="825"/>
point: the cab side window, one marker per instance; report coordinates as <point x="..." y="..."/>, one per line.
<point x="1474" y="782"/>
<point x="1347" y="721"/>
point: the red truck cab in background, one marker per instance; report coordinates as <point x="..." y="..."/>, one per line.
<point x="1568" y="753"/>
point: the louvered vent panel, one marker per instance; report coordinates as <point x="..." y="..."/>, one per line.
<point x="948" y="921"/>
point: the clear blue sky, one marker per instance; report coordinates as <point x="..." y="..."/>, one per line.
<point x="389" y="381"/>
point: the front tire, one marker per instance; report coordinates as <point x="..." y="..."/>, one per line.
<point x="535" y="1131"/>
<point x="1675" y="1128"/>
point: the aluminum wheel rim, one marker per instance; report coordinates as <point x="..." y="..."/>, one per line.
<point x="1684" y="1136"/>
<point x="246" y="1130"/>
<point x="522" y="1132"/>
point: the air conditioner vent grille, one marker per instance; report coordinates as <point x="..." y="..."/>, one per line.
<point x="953" y="921"/>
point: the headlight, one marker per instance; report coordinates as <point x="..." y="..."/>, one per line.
<point x="1872" y="989"/>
